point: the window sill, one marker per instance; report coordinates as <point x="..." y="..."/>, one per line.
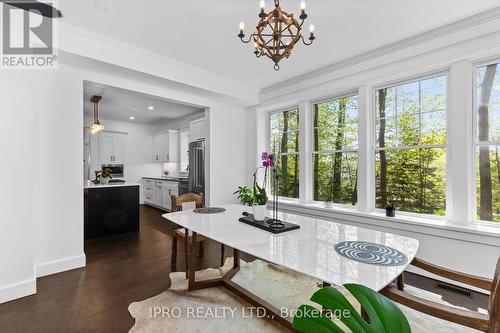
<point x="439" y="226"/>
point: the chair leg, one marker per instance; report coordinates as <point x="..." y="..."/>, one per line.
<point x="221" y="255"/>
<point x="401" y="282"/>
<point x="173" y="259"/>
<point x="186" y="257"/>
<point x="200" y="249"/>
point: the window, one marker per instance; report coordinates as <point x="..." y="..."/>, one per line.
<point x="410" y="146"/>
<point x="284" y="142"/>
<point x="335" y="150"/>
<point x="488" y="143"/>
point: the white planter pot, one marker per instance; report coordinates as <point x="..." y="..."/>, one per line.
<point x="259" y="212"/>
<point x="104" y="181"/>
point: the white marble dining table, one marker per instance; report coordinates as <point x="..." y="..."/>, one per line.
<point x="308" y="250"/>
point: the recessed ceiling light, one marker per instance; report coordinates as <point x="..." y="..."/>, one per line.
<point x="151" y="108"/>
<point x="131" y="118"/>
<point x="101" y="6"/>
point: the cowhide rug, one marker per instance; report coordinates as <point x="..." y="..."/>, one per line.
<point x="218" y="310"/>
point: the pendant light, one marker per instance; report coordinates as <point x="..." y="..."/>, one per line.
<point x="96" y="125"/>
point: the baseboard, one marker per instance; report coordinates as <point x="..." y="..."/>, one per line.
<point x="17" y="290"/>
<point x="57" y="266"/>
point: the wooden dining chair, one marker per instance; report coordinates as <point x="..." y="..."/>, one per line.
<point x="489" y="323"/>
<point x="185" y="202"/>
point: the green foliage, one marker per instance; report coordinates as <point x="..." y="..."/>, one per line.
<point x="106" y="173"/>
<point x="412" y="119"/>
<point x="252" y="196"/>
<point x="488" y="134"/>
<point x="384" y="315"/>
<point x="335" y="157"/>
<point x="260" y="195"/>
<point x="285" y="145"/>
<point x="245" y="195"/>
<point x="494" y="171"/>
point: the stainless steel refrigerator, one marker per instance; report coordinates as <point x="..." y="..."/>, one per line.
<point x="197" y="167"/>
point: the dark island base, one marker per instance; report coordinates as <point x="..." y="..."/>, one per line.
<point x="111" y="211"/>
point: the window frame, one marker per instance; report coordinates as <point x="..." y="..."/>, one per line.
<point x="374" y="149"/>
<point x="312" y="103"/>
<point x="461" y="77"/>
<point x="476" y="143"/>
<point x="269" y="114"/>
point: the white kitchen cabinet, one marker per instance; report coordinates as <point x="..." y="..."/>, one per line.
<point x="197" y="129"/>
<point x="184" y="150"/>
<point x="166" y="147"/>
<point x="158" y="193"/>
<point x="112" y="147"/>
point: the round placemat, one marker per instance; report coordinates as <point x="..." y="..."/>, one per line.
<point x="371" y="253"/>
<point x="209" y="210"/>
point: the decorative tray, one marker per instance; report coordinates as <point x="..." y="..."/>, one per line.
<point x="273" y="226"/>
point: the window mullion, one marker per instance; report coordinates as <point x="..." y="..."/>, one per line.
<point x="305" y="153"/>
<point x="366" y="160"/>
<point x="459" y="144"/>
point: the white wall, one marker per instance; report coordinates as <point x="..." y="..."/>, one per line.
<point x="57" y="171"/>
<point x="227" y="149"/>
<point x="17" y="222"/>
<point x="43" y="144"/>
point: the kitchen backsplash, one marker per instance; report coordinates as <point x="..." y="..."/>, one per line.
<point x="173" y="169"/>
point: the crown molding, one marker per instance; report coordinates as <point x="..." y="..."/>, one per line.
<point x="465" y="23"/>
<point x="82" y="42"/>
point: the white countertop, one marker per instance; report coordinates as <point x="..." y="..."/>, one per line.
<point x="92" y="185"/>
<point x="172" y="179"/>
<point x="308" y="250"/>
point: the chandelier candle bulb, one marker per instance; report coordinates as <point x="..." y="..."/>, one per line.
<point x="241" y="35"/>
<point x="262" y="5"/>
<point x="303" y="14"/>
<point x="311" y="33"/>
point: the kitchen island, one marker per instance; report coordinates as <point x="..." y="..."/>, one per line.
<point x="111" y="209"/>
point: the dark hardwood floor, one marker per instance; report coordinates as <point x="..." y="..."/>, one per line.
<point x="120" y="270"/>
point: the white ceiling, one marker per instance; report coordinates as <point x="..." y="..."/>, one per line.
<point x="121" y="104"/>
<point x="203" y="33"/>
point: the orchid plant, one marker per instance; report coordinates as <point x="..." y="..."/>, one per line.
<point x="257" y="195"/>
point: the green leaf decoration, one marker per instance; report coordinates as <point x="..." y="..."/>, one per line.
<point x="384" y="315"/>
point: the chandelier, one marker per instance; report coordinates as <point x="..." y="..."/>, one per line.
<point x="96" y="124"/>
<point x="277" y="32"/>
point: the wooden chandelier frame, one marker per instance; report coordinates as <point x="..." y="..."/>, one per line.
<point x="282" y="25"/>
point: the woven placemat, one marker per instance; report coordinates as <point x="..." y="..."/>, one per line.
<point x="209" y="210"/>
<point x="371" y="253"/>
